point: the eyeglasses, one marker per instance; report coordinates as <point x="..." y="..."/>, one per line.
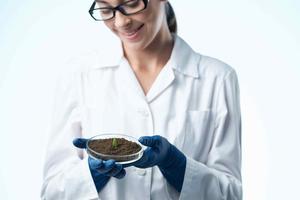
<point x="130" y="7"/>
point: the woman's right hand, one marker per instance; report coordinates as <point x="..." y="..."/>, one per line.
<point x="101" y="170"/>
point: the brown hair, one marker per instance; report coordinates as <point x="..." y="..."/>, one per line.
<point x="171" y="18"/>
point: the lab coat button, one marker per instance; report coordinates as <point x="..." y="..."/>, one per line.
<point x="143" y="112"/>
<point x="141" y="172"/>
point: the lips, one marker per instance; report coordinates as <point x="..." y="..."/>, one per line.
<point x="131" y="34"/>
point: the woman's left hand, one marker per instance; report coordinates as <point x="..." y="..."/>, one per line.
<point x="167" y="157"/>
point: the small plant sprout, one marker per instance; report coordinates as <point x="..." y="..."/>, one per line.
<point x="114" y="143"/>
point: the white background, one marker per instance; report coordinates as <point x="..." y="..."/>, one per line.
<point x="259" y="38"/>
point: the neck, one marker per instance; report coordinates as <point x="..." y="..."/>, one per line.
<point x="156" y="54"/>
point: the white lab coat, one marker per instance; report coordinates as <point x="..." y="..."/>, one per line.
<point x="194" y="103"/>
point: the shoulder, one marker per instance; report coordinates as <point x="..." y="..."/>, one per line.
<point x="207" y="67"/>
<point x="73" y="68"/>
<point x="210" y="67"/>
<point x="87" y="63"/>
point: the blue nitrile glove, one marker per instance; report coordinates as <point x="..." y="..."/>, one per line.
<point x="101" y="170"/>
<point x="166" y="156"/>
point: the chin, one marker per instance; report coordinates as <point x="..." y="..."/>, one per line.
<point x="133" y="46"/>
<point x="139" y="45"/>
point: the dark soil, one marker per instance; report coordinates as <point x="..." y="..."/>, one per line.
<point x="124" y="147"/>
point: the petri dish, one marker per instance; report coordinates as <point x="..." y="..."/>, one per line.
<point x="121" y="159"/>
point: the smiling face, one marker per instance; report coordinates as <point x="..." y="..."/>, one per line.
<point x="139" y="30"/>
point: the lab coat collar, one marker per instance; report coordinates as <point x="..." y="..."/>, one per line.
<point x="183" y="58"/>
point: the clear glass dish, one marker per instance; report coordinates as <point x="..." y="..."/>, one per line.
<point x="121" y="159"/>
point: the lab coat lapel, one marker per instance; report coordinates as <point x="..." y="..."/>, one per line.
<point x="183" y="59"/>
<point x="162" y="81"/>
<point x="129" y="84"/>
<point x="127" y="80"/>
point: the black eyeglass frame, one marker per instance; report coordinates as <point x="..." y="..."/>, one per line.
<point x="114" y="9"/>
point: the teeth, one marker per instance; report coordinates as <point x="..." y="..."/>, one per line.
<point x="129" y="34"/>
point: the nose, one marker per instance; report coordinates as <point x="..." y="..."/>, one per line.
<point x="121" y="20"/>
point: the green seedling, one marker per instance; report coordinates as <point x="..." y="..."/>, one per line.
<point x="114" y="143"/>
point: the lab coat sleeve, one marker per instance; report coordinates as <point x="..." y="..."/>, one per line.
<point x="220" y="177"/>
<point x="66" y="171"/>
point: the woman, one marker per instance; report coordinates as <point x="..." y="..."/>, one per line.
<point x="182" y="105"/>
